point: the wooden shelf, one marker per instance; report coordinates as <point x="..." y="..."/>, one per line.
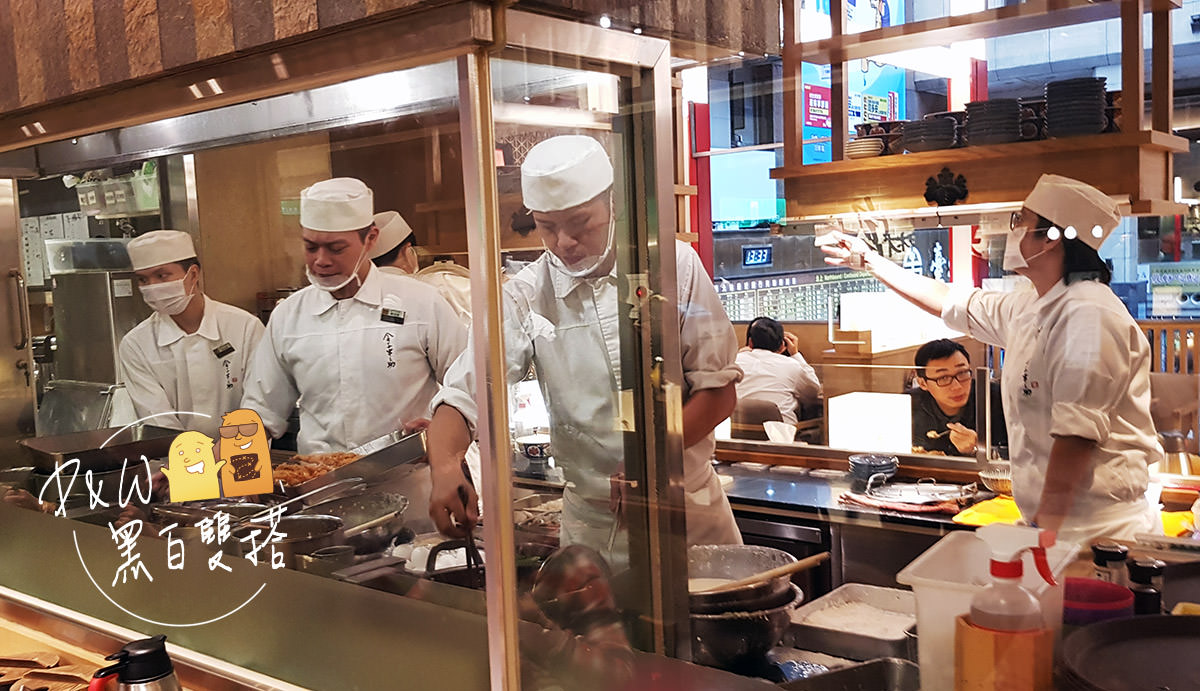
<point x="1026" y="16"/>
<point x="1134" y="165"/>
<point x="1148" y="139"/>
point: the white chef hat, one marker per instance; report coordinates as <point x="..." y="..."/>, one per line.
<point x="564" y="172"/>
<point x="1071" y="203"/>
<point x="393" y="230"/>
<point x="160" y="247"/>
<point x="337" y="205"/>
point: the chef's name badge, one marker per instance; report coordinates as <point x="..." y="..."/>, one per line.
<point x="391" y="315"/>
<point x="224" y="350"/>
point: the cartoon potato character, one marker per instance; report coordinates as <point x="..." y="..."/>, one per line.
<point x="244" y="445"/>
<point x="191" y="469"/>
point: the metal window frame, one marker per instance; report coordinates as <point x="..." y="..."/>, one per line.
<point x="658" y="554"/>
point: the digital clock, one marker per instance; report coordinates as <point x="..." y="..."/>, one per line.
<point x="756" y="255"/>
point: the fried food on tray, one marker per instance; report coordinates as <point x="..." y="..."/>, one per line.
<point x="303" y="467"/>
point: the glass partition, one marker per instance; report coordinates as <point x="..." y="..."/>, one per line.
<point x="891" y="409"/>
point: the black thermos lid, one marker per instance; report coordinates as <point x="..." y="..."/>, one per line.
<point x="144" y="661"/>
<point x="1105" y="552"/>
<point x="1143" y="570"/>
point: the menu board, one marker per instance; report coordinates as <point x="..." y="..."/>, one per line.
<point x="791" y="298"/>
<point x="33" y="252"/>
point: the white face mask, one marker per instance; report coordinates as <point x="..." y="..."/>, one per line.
<point x="1013" y="259"/>
<point x="326" y="283"/>
<point x="586" y="267"/>
<point x="169" y="298"/>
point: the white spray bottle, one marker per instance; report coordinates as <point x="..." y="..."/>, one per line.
<point x="1004" y="644"/>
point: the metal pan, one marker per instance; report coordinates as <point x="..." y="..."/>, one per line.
<point x="403" y="451"/>
<point x="1138" y="653"/>
<point x="120" y="444"/>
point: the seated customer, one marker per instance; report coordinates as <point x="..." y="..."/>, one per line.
<point x="943" y="405"/>
<point x="774" y="369"/>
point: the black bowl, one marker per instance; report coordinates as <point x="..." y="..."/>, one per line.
<point x="735" y="562"/>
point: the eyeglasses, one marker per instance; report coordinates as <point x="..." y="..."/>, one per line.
<point x="1016" y="218"/>
<point x="247" y="430"/>
<point x="963" y="376"/>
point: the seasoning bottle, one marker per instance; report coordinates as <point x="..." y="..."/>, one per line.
<point x="1146" y="577"/>
<point x="1108" y="559"/>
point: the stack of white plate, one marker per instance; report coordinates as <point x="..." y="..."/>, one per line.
<point x="867" y="147"/>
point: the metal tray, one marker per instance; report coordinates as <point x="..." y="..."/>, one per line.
<point x="47" y="453"/>
<point x="887" y="674"/>
<point x="403" y="451"/>
<point x="852" y="645"/>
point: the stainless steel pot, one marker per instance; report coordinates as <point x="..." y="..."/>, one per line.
<point x="302" y="535"/>
<point x="370" y="521"/>
<point x="735" y="562"/>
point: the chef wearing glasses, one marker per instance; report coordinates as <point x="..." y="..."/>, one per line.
<point x="943" y="402"/>
<point x="186" y="363"/>
<point x="360" y="351"/>
<point x="562" y="315"/>
<point x="1076" y="377"/>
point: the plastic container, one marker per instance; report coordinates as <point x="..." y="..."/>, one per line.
<point x="946" y="577"/>
<point x="1087" y="601"/>
<point x="850" y="644"/>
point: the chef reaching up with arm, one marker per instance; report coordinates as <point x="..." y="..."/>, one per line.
<point x="1076" y="379"/>
<point x="361" y="352"/>
<point x="561" y="315"/>
<point x="186" y="363"/>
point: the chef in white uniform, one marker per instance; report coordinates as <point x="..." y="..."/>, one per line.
<point x="359" y="350"/>
<point x="561" y="314"/>
<point x="186" y="363"/>
<point x="1076" y="381"/>
<point x="396" y="250"/>
<point x="396" y="253"/>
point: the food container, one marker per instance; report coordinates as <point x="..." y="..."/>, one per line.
<point x="885" y="674"/>
<point x="947" y="576"/>
<point x="861" y="644"/>
<point x="101" y="449"/>
<point x="1087" y="600"/>
<point x="405" y="450"/>
<point x="997" y="477"/>
<point x="733" y="640"/>
<point x="734" y="562"/>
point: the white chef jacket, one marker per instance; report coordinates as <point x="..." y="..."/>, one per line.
<point x="786" y="381"/>
<point x="449" y="282"/>
<point x="1075" y="364"/>
<point x="168" y="371"/>
<point x="567" y="328"/>
<point x="359" y="367"/>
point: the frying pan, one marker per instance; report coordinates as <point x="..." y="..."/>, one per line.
<point x="1135" y="654"/>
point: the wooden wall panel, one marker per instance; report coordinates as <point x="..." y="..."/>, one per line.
<point x="52" y="49"/>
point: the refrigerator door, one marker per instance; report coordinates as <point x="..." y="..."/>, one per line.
<point x="16" y="358"/>
<point x="92" y="312"/>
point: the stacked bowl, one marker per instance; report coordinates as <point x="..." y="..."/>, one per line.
<point x="863" y="466"/>
<point x="1076" y="107"/>
<point x="997" y="121"/>
<point x="930" y="134"/>
<point x="865" y="147"/>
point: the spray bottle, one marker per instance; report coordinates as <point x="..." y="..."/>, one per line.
<point x="1004" y="643"/>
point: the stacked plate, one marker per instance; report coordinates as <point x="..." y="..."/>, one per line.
<point x="931" y="134"/>
<point x="865" y="147"/>
<point x="993" y="122"/>
<point x="1076" y="107"/>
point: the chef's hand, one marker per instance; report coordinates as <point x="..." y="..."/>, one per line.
<point x="791" y="344"/>
<point x="418" y="425"/>
<point x="453" y="503"/>
<point x="25" y="500"/>
<point x="848" y="250"/>
<point x="963" y="438"/>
